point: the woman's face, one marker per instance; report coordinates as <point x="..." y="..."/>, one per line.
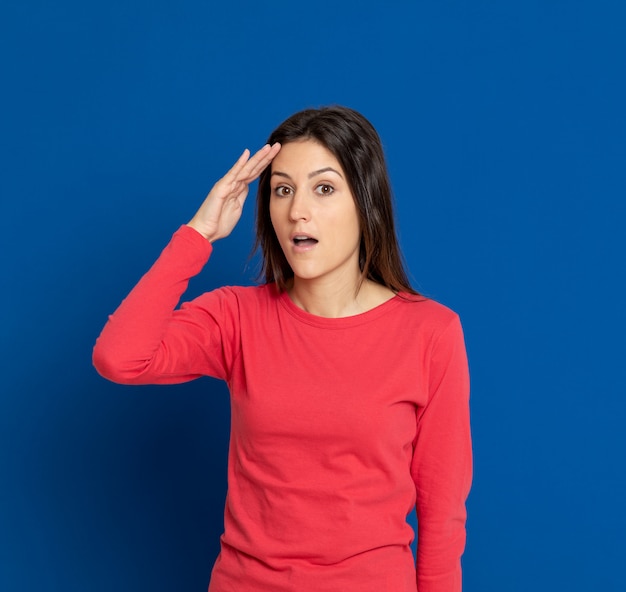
<point x="314" y="215"/>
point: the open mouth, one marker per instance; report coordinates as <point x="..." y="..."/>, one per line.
<point x="304" y="241"/>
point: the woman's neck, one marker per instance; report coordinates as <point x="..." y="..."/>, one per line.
<point x="336" y="300"/>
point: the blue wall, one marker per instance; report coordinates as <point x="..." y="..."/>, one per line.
<point x="505" y="129"/>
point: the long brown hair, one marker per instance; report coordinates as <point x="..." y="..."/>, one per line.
<point x="354" y="142"/>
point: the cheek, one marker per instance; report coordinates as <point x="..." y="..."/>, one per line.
<point x="354" y="226"/>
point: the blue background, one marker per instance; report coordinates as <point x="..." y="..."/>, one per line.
<point x="504" y="126"/>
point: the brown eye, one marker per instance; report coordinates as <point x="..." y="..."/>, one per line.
<point x="282" y="191"/>
<point x="325" y="189"/>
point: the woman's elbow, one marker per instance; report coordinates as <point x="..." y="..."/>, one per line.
<point x="111" y="366"/>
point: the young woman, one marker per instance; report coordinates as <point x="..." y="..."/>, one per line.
<point x="349" y="391"/>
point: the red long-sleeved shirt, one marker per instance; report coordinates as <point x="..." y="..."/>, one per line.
<point x="340" y="426"/>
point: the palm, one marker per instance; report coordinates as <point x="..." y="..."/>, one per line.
<point x="222" y="207"/>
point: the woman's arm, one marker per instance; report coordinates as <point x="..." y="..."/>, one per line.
<point x="146" y="340"/>
<point x="442" y="465"/>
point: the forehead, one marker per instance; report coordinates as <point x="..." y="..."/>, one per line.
<point x="304" y="156"/>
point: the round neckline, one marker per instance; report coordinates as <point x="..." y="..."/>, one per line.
<point x="338" y="322"/>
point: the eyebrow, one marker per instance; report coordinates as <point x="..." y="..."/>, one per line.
<point x="311" y="175"/>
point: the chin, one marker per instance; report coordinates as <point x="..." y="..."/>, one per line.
<point x="304" y="274"/>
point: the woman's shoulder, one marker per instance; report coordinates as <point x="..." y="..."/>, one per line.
<point x="239" y="297"/>
<point x="427" y="312"/>
<point x="251" y="294"/>
<point x="427" y="306"/>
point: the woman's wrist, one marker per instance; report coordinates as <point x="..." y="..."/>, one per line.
<point x="210" y="237"/>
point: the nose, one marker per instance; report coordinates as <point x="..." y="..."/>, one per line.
<point x="298" y="208"/>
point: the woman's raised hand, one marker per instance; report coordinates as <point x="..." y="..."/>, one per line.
<point x="222" y="207"/>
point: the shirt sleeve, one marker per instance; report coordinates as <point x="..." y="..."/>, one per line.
<point x="442" y="465"/>
<point x="148" y="341"/>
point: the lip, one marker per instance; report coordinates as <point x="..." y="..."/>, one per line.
<point x="298" y="234"/>
<point x="302" y="248"/>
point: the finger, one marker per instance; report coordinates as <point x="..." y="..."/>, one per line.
<point x="267" y="159"/>
<point x="236" y="169"/>
<point x="255" y="166"/>
<point x="241" y="169"/>
<point x="258" y="157"/>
